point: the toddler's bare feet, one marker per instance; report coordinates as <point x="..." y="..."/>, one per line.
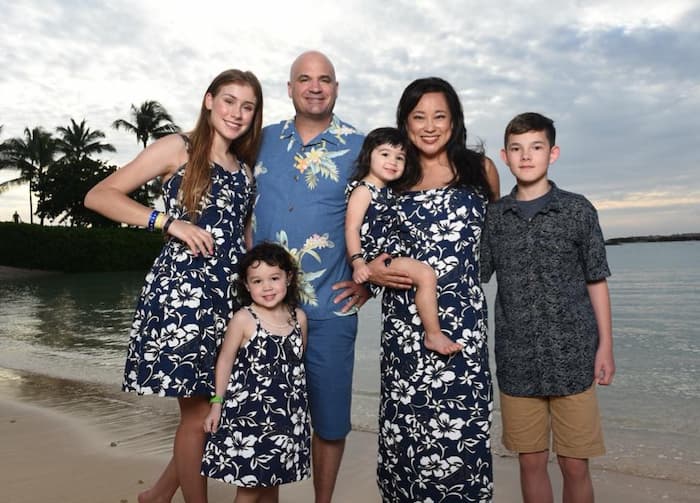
<point x="442" y="344"/>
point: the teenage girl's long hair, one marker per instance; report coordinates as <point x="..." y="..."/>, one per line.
<point x="196" y="181"/>
<point x="467" y="164"/>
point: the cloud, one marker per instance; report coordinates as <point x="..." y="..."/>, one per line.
<point x="653" y="199"/>
<point x="621" y="80"/>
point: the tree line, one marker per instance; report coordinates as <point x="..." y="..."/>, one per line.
<point x="59" y="168"/>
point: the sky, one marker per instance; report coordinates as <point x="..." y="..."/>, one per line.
<point x="621" y="79"/>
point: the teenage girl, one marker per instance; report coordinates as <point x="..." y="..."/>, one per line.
<point x="188" y="297"/>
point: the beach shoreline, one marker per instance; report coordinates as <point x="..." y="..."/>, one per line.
<point x="11" y="273"/>
<point x="77" y="421"/>
<point x="86" y="442"/>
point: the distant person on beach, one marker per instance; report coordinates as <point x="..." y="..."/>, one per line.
<point x="553" y="321"/>
<point x="304" y="165"/>
<point x="15" y="217"/>
<point x="371" y="227"/>
<point x="259" y="418"/>
<point x="188" y="298"/>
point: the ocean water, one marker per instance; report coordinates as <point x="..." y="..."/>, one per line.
<point x="76" y="327"/>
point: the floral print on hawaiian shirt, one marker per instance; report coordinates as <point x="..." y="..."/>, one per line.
<point x="301" y="205"/>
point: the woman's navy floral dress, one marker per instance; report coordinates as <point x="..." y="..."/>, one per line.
<point x="435" y="411"/>
<point x="187" y="301"/>
<point x="263" y="438"/>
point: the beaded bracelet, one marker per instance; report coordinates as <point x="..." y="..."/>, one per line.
<point x="152" y="220"/>
<point x="216" y="399"/>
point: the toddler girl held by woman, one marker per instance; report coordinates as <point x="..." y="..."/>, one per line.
<point x="370" y="228"/>
<point x="259" y="419"/>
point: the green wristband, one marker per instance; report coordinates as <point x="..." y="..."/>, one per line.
<point x="216" y="399"/>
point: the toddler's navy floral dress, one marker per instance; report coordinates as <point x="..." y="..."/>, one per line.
<point x="379" y="231"/>
<point x="263" y="438"/>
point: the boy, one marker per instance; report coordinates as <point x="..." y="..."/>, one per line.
<point x="553" y="323"/>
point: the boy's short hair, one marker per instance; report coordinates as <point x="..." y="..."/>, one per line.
<point x="531" y="121"/>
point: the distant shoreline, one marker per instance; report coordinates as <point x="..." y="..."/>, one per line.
<point x="691" y="236"/>
<point x="10" y="273"/>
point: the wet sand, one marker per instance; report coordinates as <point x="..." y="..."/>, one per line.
<point x="70" y="441"/>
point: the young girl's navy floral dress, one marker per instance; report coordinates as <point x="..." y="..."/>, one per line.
<point x="434" y="410"/>
<point x="186" y="302"/>
<point x="264" y="436"/>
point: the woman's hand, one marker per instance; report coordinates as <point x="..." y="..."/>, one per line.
<point x="381" y="274"/>
<point x="196" y="238"/>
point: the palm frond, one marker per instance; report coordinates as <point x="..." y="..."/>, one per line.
<point x="9" y="184"/>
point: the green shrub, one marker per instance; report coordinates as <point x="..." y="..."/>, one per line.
<point x="77" y="249"/>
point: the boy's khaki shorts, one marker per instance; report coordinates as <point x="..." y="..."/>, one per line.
<point x="574" y="419"/>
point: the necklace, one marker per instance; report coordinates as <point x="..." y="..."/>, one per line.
<point x="275" y="325"/>
<point x="286" y="324"/>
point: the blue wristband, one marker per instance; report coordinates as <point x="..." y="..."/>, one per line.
<point x="152" y="220"/>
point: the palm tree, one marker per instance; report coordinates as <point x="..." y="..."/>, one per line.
<point x="150" y="120"/>
<point x="77" y="141"/>
<point x="30" y="155"/>
<point x="4" y="161"/>
<point x="3" y="152"/>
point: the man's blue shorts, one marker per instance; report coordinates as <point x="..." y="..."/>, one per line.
<point x="329" y="360"/>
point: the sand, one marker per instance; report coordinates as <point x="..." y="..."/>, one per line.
<point x="67" y="441"/>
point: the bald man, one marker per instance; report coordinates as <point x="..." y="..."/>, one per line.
<point x="303" y="167"/>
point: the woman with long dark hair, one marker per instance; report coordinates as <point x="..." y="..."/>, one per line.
<point x="435" y="410"/>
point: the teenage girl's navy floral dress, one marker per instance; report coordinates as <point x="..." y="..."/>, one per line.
<point x="263" y="438"/>
<point x="187" y="301"/>
<point x="435" y="411"/>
